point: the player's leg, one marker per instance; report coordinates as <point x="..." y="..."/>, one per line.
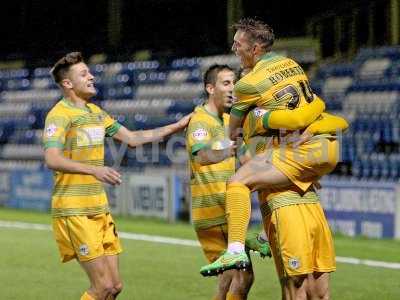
<point x="289" y="285"/>
<point x="238" y="208"/>
<point x="318" y="286"/>
<point x="213" y="241"/>
<point x="275" y="168"/>
<point x="101" y="285"/>
<point x="259" y="173"/>
<point x="112" y="248"/>
<point x="241" y="283"/>
<point x="113" y="269"/>
<point x="78" y="237"/>
<point x="256" y="173"/>
<point x="295" y="287"/>
<point x="234" y="284"/>
<point x="313" y="286"/>
<point x="324" y="254"/>
<point x="224" y="282"/>
<point x="291" y="232"/>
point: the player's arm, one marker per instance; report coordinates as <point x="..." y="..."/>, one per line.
<point x="56" y="161"/>
<point x="207" y="156"/>
<point x="199" y="144"/>
<point x="137" y="138"/>
<point x="244" y="154"/>
<point x="235" y="125"/>
<point x="247" y="96"/>
<point x="326" y="123"/>
<point x="294" y="119"/>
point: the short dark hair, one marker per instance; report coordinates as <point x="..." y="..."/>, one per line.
<point x="61" y="67"/>
<point x="257" y="31"/>
<point x="210" y="76"/>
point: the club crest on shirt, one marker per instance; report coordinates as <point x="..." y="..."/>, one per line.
<point x="200" y="134"/>
<point x="294" y="263"/>
<point x="83" y="250"/>
<point x="258" y="112"/>
<point x="51" y="130"/>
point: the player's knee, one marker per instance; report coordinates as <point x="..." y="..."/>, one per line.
<point x="117" y="288"/>
<point x="104" y="290"/>
<point x="321" y="294"/>
<point x="108" y="289"/>
<point x="324" y="297"/>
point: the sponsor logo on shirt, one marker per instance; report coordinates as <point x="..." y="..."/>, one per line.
<point x="200" y="134"/>
<point x="90" y="136"/>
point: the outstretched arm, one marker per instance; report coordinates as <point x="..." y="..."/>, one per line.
<point x="295" y="119"/>
<point x="140" y="137"/>
<point x="209" y="156"/>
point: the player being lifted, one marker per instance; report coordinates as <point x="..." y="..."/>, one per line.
<point x="279" y="86"/>
<point x="73" y="137"/>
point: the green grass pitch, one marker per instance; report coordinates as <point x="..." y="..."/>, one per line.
<point x="30" y="267"/>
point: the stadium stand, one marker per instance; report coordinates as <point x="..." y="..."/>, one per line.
<point x="148" y="94"/>
<point x="367" y="92"/>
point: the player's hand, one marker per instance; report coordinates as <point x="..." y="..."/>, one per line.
<point x="237" y="134"/>
<point x="182" y="123"/>
<point x="231" y="150"/>
<point x="303" y="138"/>
<point x="107" y="175"/>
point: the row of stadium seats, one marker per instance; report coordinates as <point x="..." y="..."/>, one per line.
<point x="180" y="78"/>
<point x="143" y="95"/>
<point x="377" y="166"/>
<point x="367" y="92"/>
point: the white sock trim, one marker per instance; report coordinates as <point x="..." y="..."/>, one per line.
<point x="235" y="248"/>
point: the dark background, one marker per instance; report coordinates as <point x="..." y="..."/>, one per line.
<point x="41" y="30"/>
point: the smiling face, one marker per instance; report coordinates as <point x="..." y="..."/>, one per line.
<point x="80" y="81"/>
<point x="244" y="49"/>
<point x="221" y="91"/>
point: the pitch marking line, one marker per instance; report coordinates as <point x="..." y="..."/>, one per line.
<point x="192" y="243"/>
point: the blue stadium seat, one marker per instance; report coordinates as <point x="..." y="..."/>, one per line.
<point x="150" y="77"/>
<point x="186" y="63"/>
<point x="20" y="84"/>
<point x="14" y="74"/>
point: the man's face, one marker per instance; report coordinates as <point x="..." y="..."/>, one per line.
<point x="244" y="49"/>
<point x="81" y="80"/>
<point x="223" y="89"/>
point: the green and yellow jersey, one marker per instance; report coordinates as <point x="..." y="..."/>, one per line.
<point x="275" y="83"/>
<point x="257" y="139"/>
<point x="208" y="183"/>
<point x="79" y="133"/>
<point x="324" y="124"/>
